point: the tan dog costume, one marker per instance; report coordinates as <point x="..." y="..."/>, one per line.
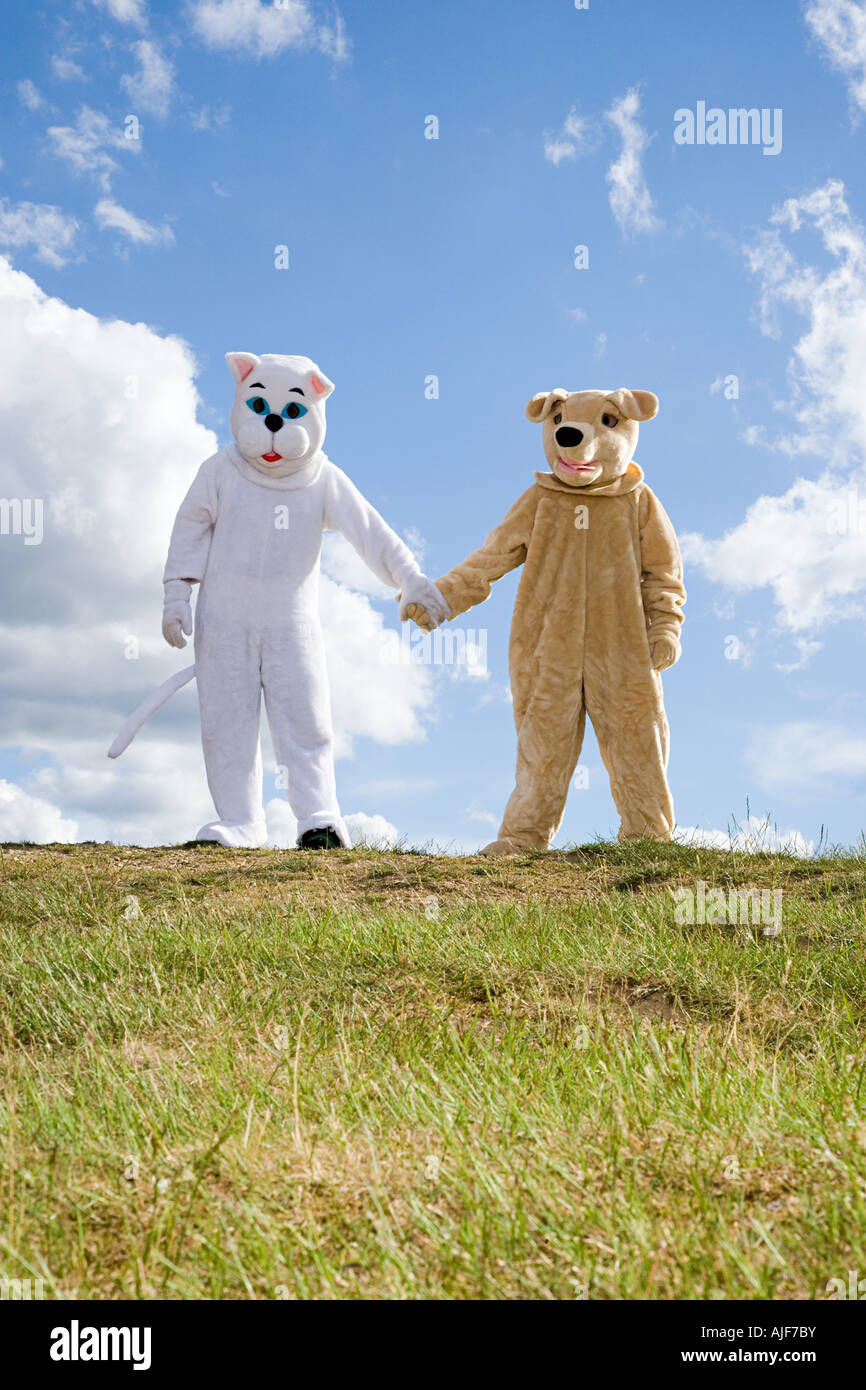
<point x="597" y="617"/>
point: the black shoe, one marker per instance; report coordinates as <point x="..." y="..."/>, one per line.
<point x="322" y="837"/>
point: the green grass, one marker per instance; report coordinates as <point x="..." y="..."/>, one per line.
<point x="368" y="1075"/>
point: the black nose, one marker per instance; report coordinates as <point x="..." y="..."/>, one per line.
<point x="274" y="423"/>
<point x="569" y="438"/>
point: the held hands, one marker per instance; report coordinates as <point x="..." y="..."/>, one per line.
<point x="177" y="613"/>
<point x="665" y="651"/>
<point x="421" y="601"/>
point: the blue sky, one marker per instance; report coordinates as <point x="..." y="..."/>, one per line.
<point x="455" y="257"/>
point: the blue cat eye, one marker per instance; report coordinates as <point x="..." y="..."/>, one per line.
<point x="293" y="411"/>
<point x="259" y="405"/>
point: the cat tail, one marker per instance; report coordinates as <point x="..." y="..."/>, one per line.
<point x="155" y="700"/>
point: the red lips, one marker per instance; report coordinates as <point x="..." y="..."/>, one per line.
<point x="271" y="457"/>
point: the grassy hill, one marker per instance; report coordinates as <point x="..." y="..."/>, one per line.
<point x="371" y="1075"/>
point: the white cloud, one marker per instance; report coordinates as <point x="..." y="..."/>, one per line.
<point x="67" y="70"/>
<point x="416" y="542"/>
<point x="828" y="364"/>
<point x="840" y="26"/>
<point x="807" y="545"/>
<point x="26" y="818"/>
<point x="111" y="462"/>
<point x="371" y="697"/>
<point x="151" y="87"/>
<point x="806" y="650"/>
<point x="159" y="797"/>
<point x="110" y="215"/>
<point x="754" y="836"/>
<point x="282" y="826"/>
<point x="30" y="95"/>
<point x="578" y="136"/>
<point x="211" y="117"/>
<point x="264" y="30"/>
<point x="373" y="831"/>
<point x="40" y="225"/>
<point x="334" y="41"/>
<point x="85" y="145"/>
<point x="125" y="11"/>
<point x="800" y="756"/>
<point x="630" y="200"/>
<point x="793" y="546"/>
<point x="343" y="564"/>
<point x="471" y="654"/>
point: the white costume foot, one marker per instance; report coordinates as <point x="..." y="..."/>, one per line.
<point x="336" y="823"/>
<point x="251" y="836"/>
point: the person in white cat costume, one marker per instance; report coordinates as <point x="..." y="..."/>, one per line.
<point x="249" y="533"/>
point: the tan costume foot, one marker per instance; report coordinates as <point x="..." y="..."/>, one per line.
<point x="660" y="836"/>
<point x="500" y="847"/>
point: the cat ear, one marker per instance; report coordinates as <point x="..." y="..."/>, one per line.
<point x="320" y="384"/>
<point x="241" y="364"/>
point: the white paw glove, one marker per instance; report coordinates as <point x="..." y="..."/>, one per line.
<point x="177" y="613"/>
<point x="420" y="599"/>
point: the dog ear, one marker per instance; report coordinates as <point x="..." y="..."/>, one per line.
<point x="241" y="364"/>
<point x="541" y="404"/>
<point x="637" y="405"/>
<point x="321" y="386"/>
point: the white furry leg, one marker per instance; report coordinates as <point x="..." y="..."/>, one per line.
<point x="297" y="700"/>
<point x="230" y="696"/>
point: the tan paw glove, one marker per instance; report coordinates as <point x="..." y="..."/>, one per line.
<point x="177" y="613"/>
<point x="665" y="651"/>
<point x="421" y="601"/>
<point x="417" y="613"/>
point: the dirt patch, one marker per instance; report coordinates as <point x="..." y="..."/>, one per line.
<point x="653" y="1002"/>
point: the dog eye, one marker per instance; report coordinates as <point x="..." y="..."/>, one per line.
<point x="611" y="421"/>
<point x="259" y="405"/>
<point x="293" y="411"/>
<point x="557" y="419"/>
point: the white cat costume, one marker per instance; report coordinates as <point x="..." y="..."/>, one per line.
<point x="249" y="532"/>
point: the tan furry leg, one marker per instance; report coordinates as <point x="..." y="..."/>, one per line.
<point x="633" y="739"/>
<point x="548" y="747"/>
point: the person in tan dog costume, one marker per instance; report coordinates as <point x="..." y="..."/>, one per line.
<point x="597" y="617"/>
